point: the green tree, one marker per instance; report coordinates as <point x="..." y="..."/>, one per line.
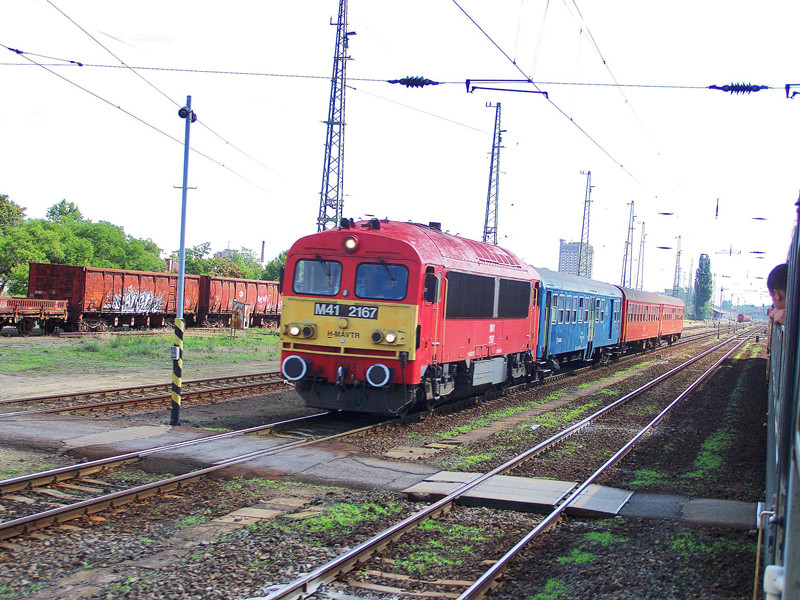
<point x="703" y="288"/>
<point x="11" y="213"/>
<point x="272" y="270"/>
<point x="64" y="212"/>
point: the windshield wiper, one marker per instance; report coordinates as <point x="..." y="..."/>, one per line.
<point x="388" y="272"/>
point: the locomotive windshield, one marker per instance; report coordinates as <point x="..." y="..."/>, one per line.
<point x="317" y="277"/>
<point x="381" y="281"/>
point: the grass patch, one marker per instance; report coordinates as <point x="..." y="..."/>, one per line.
<point x="451" y="542"/>
<point x="576" y="557"/>
<point x="647" y="478"/>
<point x="554" y="589"/>
<point x="344" y="517"/>
<point x="40" y="356"/>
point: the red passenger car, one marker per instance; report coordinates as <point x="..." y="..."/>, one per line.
<point x="100" y="298"/>
<point x="649" y="318"/>
<point x="379" y="315"/>
<point x="217" y="295"/>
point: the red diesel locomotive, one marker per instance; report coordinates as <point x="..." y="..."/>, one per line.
<point x="380" y="315"/>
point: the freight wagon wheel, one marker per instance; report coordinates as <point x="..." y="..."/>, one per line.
<point x="25" y="327"/>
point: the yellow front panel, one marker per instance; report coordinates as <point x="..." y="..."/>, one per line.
<point x="341" y="324"/>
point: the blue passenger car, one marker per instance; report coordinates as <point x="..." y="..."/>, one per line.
<point x="579" y="318"/>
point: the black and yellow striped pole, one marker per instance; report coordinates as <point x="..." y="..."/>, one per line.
<point x="177" y="370"/>
<point x="186" y="113"/>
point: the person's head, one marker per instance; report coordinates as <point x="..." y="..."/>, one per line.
<point x="776" y="284"/>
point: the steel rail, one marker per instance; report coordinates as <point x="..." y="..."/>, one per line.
<point x="307" y="584"/>
<point x="136" y="388"/>
<point x="488" y="580"/>
<point x="122" y="402"/>
<point x="15" y="527"/>
<point x="57" y="475"/>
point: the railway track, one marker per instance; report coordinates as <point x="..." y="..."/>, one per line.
<point x="306" y="585"/>
<point x="321" y="427"/>
<point x="303" y="431"/>
<point x="113" y="398"/>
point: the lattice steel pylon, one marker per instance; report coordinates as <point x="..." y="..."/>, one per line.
<point x="493" y="196"/>
<point x="332" y="194"/>
<point x="677" y="282"/>
<point x="627" y="259"/>
<point x="583" y="252"/>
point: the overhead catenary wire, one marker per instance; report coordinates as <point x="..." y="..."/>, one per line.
<point x="553" y="104"/>
<point x="152" y="85"/>
<point x="77" y="64"/>
<point x="140" y="120"/>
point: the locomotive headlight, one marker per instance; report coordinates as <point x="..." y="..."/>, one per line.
<point x="293" y="330"/>
<point x="351" y="243"/>
<point x="390" y="337"/>
<point x="377" y="337"/>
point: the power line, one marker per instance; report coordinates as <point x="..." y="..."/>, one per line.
<point x="553" y="104"/>
<point x="152" y="85"/>
<point x="139" y="119"/>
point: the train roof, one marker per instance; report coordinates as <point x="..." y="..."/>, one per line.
<point x="573" y="283"/>
<point x="651" y="297"/>
<point x="428" y="243"/>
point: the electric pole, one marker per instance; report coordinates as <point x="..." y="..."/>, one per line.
<point x="677" y="283"/>
<point x="332" y="192"/>
<point x="640" y="263"/>
<point x="492" y="198"/>
<point x="583" y="252"/>
<point x="627" y="259"/>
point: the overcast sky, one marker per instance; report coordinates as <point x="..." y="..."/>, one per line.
<point x="667" y="144"/>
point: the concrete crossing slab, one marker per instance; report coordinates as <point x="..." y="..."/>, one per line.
<point x="522" y="494"/>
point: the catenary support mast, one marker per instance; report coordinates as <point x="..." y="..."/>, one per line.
<point x="493" y="196"/>
<point x="627" y="259"/>
<point x="677" y="283"/>
<point x="332" y="194"/>
<point x="583" y="253"/>
<point x="640" y="263"/>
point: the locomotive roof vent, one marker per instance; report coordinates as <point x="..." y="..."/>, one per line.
<point x="375" y="224"/>
<point x="346" y="223"/>
<point x="435" y="225"/>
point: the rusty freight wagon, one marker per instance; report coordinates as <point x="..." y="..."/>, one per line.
<point x="218" y="294"/>
<point x="26" y="313"/>
<point x="100" y="298"/>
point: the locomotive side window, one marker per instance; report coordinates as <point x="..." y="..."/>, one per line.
<point x="469" y="296"/>
<point x="381" y="281"/>
<point x="514" y="299"/>
<point x="317" y="277"/>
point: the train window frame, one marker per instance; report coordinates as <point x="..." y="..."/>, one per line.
<point x="332" y="265"/>
<point x="575" y="309"/>
<point x="580" y="308"/>
<point x="469" y="296"/>
<point x="586" y="309"/>
<point x="597" y="310"/>
<point x="554" y="309"/>
<point x="561" y="308"/>
<point x="381" y="273"/>
<point x="568" y="310"/>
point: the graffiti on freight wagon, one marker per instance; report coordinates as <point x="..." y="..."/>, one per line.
<point x="135" y="301"/>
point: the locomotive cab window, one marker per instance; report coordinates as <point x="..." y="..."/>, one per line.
<point x="317" y="277"/>
<point x="381" y="281"/>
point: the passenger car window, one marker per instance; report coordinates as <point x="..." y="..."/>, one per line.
<point x="381" y="281"/>
<point x="317" y="277"/>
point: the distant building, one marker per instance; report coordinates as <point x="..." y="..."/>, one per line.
<point x="225" y="253"/>
<point x="568" y="255"/>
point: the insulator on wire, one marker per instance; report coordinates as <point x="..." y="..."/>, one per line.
<point x="739" y="88"/>
<point x="415" y="82"/>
